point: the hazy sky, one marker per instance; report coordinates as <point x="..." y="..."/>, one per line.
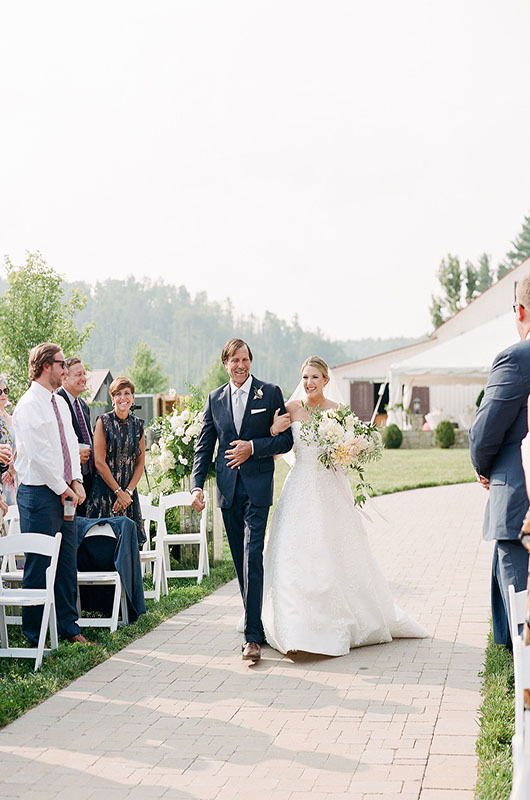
<point x="305" y="157"/>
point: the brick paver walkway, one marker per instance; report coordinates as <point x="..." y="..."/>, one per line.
<point x="178" y="715"/>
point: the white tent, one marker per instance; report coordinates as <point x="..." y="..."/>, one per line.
<point x="465" y="359"/>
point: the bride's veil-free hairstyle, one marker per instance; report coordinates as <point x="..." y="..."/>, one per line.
<point x="331" y="392"/>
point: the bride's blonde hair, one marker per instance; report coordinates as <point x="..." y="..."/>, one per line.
<point x="319" y="363"/>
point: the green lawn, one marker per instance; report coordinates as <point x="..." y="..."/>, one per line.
<point x="494" y="779"/>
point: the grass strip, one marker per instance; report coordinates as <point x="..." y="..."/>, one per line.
<point x="494" y="778"/>
<point x="21" y="688"/>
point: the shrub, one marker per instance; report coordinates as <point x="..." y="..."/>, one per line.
<point x="444" y="435"/>
<point x="392" y="437"/>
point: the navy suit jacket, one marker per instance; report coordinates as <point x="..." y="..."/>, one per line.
<point x="257" y="472"/>
<point x="495" y="441"/>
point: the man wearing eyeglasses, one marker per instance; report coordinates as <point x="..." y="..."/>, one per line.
<point x="495" y="449"/>
<point x="49" y="470"/>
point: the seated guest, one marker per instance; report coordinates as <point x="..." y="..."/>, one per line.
<point x="119" y="455"/>
<point x="74" y="384"/>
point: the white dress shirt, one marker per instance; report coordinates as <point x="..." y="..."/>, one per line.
<point x="39" y="460"/>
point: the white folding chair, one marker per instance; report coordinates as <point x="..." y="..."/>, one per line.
<point x="165" y="540"/>
<point x="518" y="602"/>
<point x="9" y="568"/>
<point x="153" y="557"/>
<point x="145" y="501"/>
<point x="103" y="578"/>
<point x="521" y="738"/>
<point x="40" y="544"/>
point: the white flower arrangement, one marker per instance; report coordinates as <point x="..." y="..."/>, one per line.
<point x="344" y="442"/>
<point x="178" y="432"/>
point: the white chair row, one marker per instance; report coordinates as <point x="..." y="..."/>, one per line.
<point x="157" y="551"/>
<point x="521" y="667"/>
<point x="154" y="552"/>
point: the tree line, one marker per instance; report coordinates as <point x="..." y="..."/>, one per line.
<point x="156" y="332"/>
<point x="461" y="284"/>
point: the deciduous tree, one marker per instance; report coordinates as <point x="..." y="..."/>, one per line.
<point x="34" y="310"/>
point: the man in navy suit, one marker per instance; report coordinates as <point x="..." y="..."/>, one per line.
<point x="239" y="416"/>
<point x="495" y="449"/>
<point x="74" y="384"/>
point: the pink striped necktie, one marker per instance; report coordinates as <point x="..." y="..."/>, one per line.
<point x="64" y="444"/>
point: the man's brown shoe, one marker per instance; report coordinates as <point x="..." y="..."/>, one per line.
<point x="251" y="652"/>
<point x="80" y="639"/>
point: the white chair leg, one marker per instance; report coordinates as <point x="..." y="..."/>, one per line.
<point x="165" y="586"/>
<point x="42" y="634"/>
<point x="54" y="639"/>
<point x="200" y="568"/>
<point x="115" y="606"/>
<point x="3" y="627"/>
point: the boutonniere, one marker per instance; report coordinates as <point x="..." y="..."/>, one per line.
<point x="258" y="392"/>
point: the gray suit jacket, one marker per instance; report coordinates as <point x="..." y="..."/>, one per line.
<point x="495" y="441"/>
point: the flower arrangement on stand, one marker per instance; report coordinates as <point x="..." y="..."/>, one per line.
<point x="344" y="442"/>
<point x="171" y="460"/>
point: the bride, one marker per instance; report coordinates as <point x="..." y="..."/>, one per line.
<point x="323" y="590"/>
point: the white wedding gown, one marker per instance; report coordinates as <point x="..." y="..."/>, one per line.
<point x="323" y="590"/>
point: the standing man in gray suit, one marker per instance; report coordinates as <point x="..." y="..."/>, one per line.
<point x="495" y="449"/>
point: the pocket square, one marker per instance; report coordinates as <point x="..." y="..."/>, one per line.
<point x="257" y="410"/>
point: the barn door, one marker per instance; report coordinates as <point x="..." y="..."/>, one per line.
<point x="362" y="399"/>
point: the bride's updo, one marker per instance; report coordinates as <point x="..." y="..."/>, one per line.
<point x="318" y="363"/>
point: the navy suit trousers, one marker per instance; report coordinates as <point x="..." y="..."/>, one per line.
<point x="509" y="566"/>
<point x="245" y="526"/>
<point x="41" y="511"/>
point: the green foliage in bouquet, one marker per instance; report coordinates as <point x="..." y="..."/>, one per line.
<point x="444" y="435"/>
<point x="392" y="437"/>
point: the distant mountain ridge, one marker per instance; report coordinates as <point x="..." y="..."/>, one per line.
<point x="187" y="333"/>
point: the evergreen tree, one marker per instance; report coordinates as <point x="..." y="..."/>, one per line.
<point x="450" y="278"/>
<point x="472" y="279"/>
<point x="217" y="375"/>
<point x="519" y="252"/>
<point x="436" y="312"/>
<point x="485" y="273"/>
<point x="146" y="372"/>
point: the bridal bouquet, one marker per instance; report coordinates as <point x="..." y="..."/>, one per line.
<point x="344" y="442"/>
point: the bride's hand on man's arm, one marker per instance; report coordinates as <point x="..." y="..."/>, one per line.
<point x="280" y="422"/>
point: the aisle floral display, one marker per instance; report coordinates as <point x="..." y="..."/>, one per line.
<point x="171" y="459"/>
<point x="345" y="442"/>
